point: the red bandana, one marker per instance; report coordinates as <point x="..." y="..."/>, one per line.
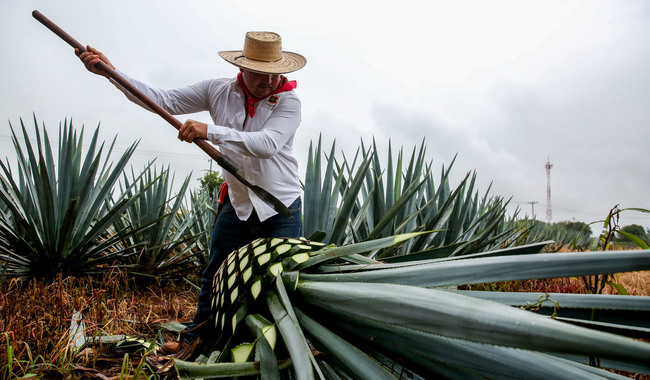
<point x="285" y="85"/>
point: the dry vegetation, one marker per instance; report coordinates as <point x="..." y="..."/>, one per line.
<point x="36" y="317"/>
<point x="635" y="283"/>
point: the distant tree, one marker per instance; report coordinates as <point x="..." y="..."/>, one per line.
<point x="580" y="228"/>
<point x="636" y="230"/>
<point x="576" y="234"/>
<point x="211" y="182"/>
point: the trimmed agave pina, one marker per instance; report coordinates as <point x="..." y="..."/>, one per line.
<point x="246" y="272"/>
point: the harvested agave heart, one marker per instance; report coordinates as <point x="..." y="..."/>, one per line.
<point x="246" y="272"/>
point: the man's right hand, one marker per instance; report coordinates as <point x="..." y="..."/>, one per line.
<point x="191" y="130"/>
<point x="91" y="57"/>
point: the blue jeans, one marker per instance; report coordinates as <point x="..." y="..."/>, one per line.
<point x="230" y="233"/>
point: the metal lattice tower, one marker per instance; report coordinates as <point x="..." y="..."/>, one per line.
<point x="549" y="212"/>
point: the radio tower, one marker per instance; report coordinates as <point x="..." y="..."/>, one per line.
<point x="549" y="212"/>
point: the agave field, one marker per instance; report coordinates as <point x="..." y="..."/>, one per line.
<point x="400" y="275"/>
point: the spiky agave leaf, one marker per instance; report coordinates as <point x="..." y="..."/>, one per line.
<point x="252" y="273"/>
<point x="353" y="202"/>
<point x="396" y="315"/>
<point x="246" y="273"/>
<point x="57" y="220"/>
<point x="201" y="212"/>
<point x="164" y="237"/>
<point x="439" y="332"/>
<point x="458" y="316"/>
<point x="388" y="313"/>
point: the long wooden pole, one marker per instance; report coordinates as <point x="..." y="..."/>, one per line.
<point x="222" y="160"/>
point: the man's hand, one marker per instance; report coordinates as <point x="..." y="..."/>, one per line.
<point x="91" y="57"/>
<point x="193" y="129"/>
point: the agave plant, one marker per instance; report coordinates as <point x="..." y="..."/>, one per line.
<point x="357" y="200"/>
<point x="575" y="234"/>
<point x="312" y="312"/>
<point x="56" y="219"/>
<point x="382" y="306"/>
<point x="202" y="212"/>
<point x="165" y="248"/>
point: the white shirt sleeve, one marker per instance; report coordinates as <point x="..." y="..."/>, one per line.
<point x="183" y="100"/>
<point x="277" y="131"/>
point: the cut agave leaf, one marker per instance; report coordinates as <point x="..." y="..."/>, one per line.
<point x="247" y="274"/>
<point x="300" y="257"/>
<point x="283" y="249"/>
<point x="276" y="269"/>
<point x="256" y="288"/>
<point x="249" y="269"/>
<point x="256" y="322"/>
<point x="242" y="353"/>
<point x="263" y="259"/>
<point x="259" y="250"/>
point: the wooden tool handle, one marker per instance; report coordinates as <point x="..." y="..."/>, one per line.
<point x="204" y="145"/>
<point x="223" y="161"/>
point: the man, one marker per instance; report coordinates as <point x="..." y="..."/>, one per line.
<point x="255" y="118"/>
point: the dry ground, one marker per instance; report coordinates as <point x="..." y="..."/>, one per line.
<point x="35" y="318"/>
<point x="636" y="283"/>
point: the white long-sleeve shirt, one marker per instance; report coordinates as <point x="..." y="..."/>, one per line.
<point x="261" y="147"/>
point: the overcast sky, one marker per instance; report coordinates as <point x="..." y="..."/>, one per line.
<point x="503" y="84"/>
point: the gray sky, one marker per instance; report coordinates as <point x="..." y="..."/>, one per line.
<point x="504" y="84"/>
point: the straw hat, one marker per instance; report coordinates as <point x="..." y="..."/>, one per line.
<point x="263" y="54"/>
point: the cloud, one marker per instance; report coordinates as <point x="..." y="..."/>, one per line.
<point x="504" y="85"/>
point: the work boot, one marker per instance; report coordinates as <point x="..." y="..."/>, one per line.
<point x="172" y="347"/>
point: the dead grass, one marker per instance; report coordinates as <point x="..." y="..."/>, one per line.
<point x="636" y="283"/>
<point x="35" y="317"/>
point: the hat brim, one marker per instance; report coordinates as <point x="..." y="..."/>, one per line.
<point x="288" y="63"/>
